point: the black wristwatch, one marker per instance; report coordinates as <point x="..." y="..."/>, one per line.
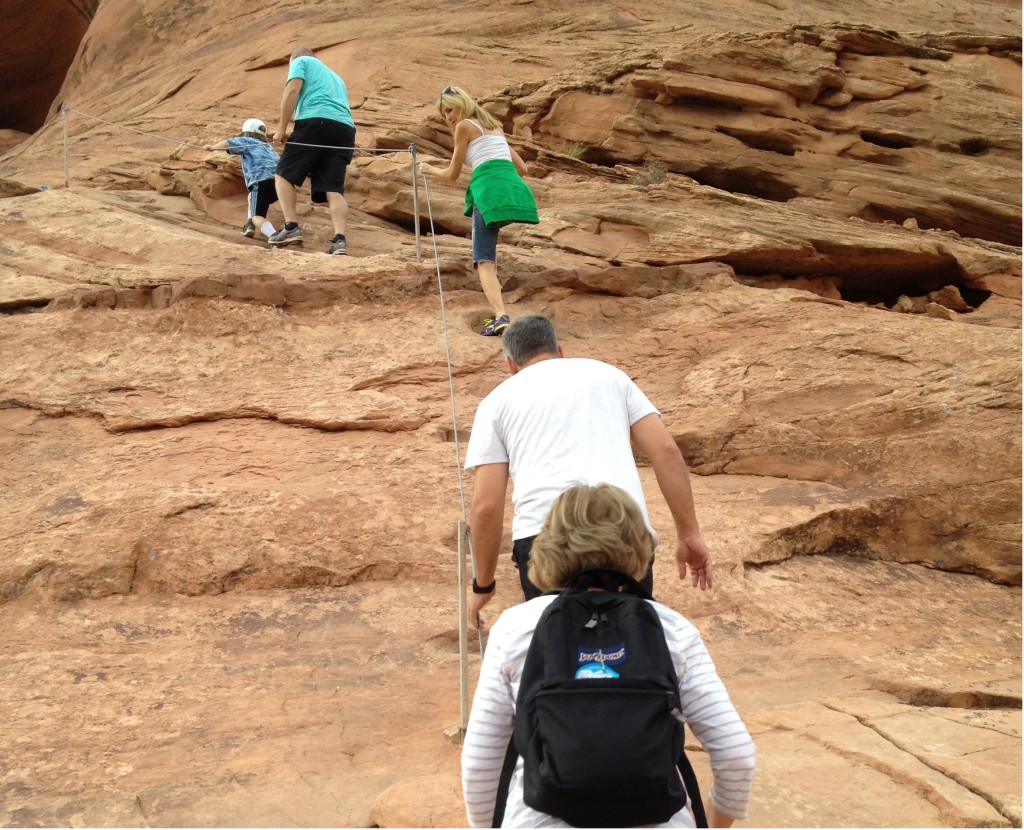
<point x="484" y="589"/>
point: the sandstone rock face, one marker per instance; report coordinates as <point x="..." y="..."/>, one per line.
<point x="231" y="490"/>
<point x="37" y="45"/>
<point x="810" y="114"/>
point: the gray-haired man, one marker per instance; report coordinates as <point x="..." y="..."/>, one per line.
<point x="560" y="421"/>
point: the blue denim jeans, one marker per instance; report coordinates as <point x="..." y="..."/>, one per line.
<point x="485" y="240"/>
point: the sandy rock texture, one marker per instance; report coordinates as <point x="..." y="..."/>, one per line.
<point x="230" y="484"/>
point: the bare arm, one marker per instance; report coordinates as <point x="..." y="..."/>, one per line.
<point x="656" y="442"/>
<point x="517" y="160"/>
<point x="288" y="101"/>
<point x="486" y="521"/>
<point x="464" y="131"/>
<point x="220" y="145"/>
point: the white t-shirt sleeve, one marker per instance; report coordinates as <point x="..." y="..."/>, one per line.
<point x="485" y="445"/>
<point x="637" y="403"/>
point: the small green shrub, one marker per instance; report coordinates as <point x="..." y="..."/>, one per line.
<point x="576" y="149"/>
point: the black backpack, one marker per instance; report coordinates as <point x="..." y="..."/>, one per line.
<point x="598" y="721"/>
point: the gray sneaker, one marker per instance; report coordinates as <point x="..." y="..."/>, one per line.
<point x="286" y="237"/>
<point x="337" y="248"/>
<point x="249" y="230"/>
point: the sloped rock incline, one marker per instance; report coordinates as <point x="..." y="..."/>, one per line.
<point x="811" y="114"/>
<point x="230" y="490"/>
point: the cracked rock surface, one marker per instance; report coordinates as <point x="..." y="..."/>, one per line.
<point x="229" y="486"/>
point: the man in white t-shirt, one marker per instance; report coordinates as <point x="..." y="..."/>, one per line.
<point x="557" y="422"/>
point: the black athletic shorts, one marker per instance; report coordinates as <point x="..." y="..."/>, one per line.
<point x="325" y="167"/>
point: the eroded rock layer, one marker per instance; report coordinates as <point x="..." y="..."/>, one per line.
<point x="230" y="496"/>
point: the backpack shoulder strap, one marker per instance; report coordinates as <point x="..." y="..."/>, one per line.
<point x="689" y="782"/>
<point x="505" y="781"/>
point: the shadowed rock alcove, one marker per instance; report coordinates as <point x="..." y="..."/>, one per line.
<point x="37" y="44"/>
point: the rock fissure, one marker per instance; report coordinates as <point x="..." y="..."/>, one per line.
<point x="949" y="807"/>
<point x="934" y="696"/>
<point x="961" y="780"/>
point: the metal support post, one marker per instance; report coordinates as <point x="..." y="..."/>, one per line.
<point x="64" y="111"/>
<point x="416" y="206"/>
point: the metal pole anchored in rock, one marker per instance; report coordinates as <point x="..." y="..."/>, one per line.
<point x="415" y="201"/>
<point x="457" y="733"/>
<point x="64" y="111"/>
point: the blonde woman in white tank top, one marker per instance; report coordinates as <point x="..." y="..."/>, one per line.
<point x="478" y="138"/>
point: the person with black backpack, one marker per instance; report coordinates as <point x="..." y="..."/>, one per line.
<point x="578" y="715"/>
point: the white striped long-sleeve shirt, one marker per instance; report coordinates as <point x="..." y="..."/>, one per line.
<point x="705" y="703"/>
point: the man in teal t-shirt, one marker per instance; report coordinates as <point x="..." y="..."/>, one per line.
<point x="323" y="93"/>
<point x="319" y="148"/>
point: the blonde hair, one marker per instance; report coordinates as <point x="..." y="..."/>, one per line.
<point x="458" y="99"/>
<point x="590" y="527"/>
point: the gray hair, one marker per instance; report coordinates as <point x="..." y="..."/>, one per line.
<point x="527" y="337"/>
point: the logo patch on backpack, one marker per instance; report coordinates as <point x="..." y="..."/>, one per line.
<point x="598" y="662"/>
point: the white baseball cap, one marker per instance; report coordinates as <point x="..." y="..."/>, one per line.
<point x="254" y="125"/>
